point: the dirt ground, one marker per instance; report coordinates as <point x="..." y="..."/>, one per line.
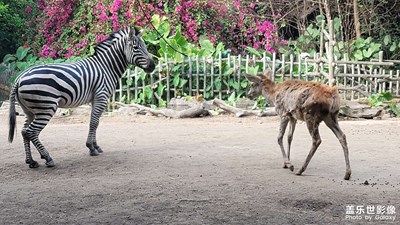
<point x="219" y="170"/>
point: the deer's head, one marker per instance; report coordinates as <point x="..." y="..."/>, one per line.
<point x="259" y="84"/>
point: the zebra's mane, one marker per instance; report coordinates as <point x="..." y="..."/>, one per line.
<point x="110" y="41"/>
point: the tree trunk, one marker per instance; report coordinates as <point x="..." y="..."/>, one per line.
<point x="356" y="19"/>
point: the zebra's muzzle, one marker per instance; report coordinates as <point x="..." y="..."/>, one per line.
<point x="150" y="66"/>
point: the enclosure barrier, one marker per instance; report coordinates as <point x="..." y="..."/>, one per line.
<point x="222" y="77"/>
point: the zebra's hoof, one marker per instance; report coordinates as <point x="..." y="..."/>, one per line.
<point x="291" y="168"/>
<point x="34" y="164"/>
<point x="94" y="152"/>
<point x="99" y="150"/>
<point x="50" y="163"/>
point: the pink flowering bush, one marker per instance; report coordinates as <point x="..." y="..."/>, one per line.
<point x="63" y="28"/>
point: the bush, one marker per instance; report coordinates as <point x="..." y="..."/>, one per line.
<point x="12" y="24"/>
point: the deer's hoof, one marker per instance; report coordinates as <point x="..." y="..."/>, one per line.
<point x="299" y="172"/>
<point x="347" y="175"/>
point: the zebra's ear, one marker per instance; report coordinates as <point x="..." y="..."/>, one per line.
<point x="134" y="31"/>
<point x="139" y="33"/>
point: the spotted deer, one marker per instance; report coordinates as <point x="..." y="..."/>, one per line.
<point x="311" y="102"/>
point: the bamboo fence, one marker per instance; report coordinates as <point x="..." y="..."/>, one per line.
<point x="354" y="79"/>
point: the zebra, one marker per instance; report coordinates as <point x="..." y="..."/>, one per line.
<point x="41" y="89"/>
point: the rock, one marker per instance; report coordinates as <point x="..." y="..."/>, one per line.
<point x="357" y="110"/>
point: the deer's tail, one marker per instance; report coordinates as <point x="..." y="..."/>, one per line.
<point x="335" y="100"/>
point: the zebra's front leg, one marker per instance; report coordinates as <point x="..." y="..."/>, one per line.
<point x="99" y="104"/>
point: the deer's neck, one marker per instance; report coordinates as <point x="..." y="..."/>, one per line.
<point x="269" y="89"/>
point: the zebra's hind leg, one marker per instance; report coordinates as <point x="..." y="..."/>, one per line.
<point x="98" y="106"/>
<point x="33" y="131"/>
<point x="28" y="160"/>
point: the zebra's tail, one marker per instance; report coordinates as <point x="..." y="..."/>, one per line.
<point x="12" y="114"/>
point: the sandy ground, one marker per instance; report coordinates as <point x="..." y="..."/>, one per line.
<point x="220" y="170"/>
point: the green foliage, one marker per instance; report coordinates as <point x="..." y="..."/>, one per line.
<point x="12" y="24"/>
<point x="377" y="100"/>
<point x="393" y="107"/>
<point x="24" y="59"/>
<point x="364" y="49"/>
<point x="174" y="45"/>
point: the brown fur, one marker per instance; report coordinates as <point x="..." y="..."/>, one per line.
<point x="311" y="102"/>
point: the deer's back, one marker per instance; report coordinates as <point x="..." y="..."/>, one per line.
<point x="298" y="98"/>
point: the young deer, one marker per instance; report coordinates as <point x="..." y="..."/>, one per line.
<point x="311" y="102"/>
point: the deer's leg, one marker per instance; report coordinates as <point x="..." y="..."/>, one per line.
<point x="292" y="127"/>
<point x="333" y="124"/>
<point x="316" y="141"/>
<point x="282" y="129"/>
<point x="98" y="106"/>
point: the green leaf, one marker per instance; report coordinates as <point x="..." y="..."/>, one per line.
<point x="395" y="109"/>
<point x="386" y="96"/>
<point x="336" y="24"/>
<point x="375" y="47"/>
<point x="232" y="98"/>
<point x="367" y="53"/>
<point x="155" y="20"/>
<point x="22" y="66"/>
<point x="176" y="81"/>
<point x="182" y="82"/>
<point x="244" y="84"/>
<point x="2" y="69"/>
<point x="160" y="89"/>
<point x="129" y="81"/>
<point x="253" y="51"/>
<point x="22" y="52"/>
<point x="8" y="58"/>
<point x="218" y="83"/>
<point x="387" y="39"/>
<point x="320" y="18"/>
<point x="393" y="47"/>
<point x="148" y="92"/>
<point x="253" y="70"/>
<point x="229" y="71"/>
<point x="164" y="29"/>
<point x="358" y="55"/>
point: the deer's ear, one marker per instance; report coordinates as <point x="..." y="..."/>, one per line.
<point x="252" y="78"/>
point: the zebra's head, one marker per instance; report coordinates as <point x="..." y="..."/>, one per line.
<point x="136" y="51"/>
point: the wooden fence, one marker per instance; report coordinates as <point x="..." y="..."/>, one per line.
<point x="221" y="76"/>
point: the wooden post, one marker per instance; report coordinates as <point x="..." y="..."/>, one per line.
<point x="283" y="67"/>
<point x="345" y="78"/>
<point x="398" y="82"/>
<point x="291" y="66"/>
<point x="238" y="72"/>
<point x="197" y="74"/>
<point x="212" y="76"/>
<point x="128" y="89"/>
<point x="273" y="65"/>
<point x="247" y="63"/>
<point x="168" y="78"/>
<point x="136" y="79"/>
<point x="220" y="73"/>
<point x="204" y="77"/>
<point x="190" y="76"/>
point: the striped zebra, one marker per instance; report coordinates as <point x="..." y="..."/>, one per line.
<point x="42" y="89"/>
